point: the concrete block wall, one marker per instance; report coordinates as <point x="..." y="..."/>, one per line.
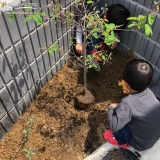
<point x="24" y="67"/>
<point x="143" y="47"/>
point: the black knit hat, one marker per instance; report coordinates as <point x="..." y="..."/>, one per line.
<point x="118" y="15"/>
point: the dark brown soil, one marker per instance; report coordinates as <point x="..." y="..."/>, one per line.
<point x="61" y="131"/>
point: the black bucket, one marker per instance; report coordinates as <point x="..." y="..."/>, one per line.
<point x="121" y="154"/>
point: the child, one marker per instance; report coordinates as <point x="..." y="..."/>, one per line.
<point x="116" y="14"/>
<point x="136" y="119"/>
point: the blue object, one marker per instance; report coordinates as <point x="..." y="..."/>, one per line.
<point x="155" y="88"/>
<point x="123" y="136"/>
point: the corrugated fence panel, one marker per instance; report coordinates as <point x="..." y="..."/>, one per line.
<point x="1" y="82"/>
<point x="156" y="75"/>
<point x="137" y="41"/>
<point x="26" y="65"/>
<point x="156" y="30"/>
<point x="149" y="50"/>
<point x="156" y="55"/>
<point x="5" y="38"/>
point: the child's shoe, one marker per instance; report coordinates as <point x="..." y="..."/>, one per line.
<point x="109" y="137"/>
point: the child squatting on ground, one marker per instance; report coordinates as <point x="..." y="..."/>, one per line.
<point x="116" y="14"/>
<point x="136" y="119"/>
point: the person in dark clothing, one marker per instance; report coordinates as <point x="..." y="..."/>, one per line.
<point x="135" y="120"/>
<point x="116" y="14"/>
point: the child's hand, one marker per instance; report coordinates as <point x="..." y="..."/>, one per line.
<point x="114" y="105"/>
<point x="79" y="48"/>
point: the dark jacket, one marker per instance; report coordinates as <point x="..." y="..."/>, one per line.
<point x="141" y="112"/>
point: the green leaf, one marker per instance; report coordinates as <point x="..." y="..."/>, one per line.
<point x="96" y="46"/>
<point x="27" y="18"/>
<point x="97" y="12"/>
<point x="148" y="30"/>
<point x="72" y="14"/>
<point x="11" y="15"/>
<point x="28" y="7"/>
<point x="156" y="2"/>
<point x="67" y="13"/>
<point x="144" y="20"/>
<point x="139" y="25"/>
<point x="89" y="24"/>
<point x="54" y="15"/>
<point x="69" y="22"/>
<point x="95" y="65"/>
<point x="109" y="39"/>
<point x="102" y="8"/>
<point x="90" y="66"/>
<point x="38" y="18"/>
<point x="106" y="32"/>
<point x="141" y="17"/>
<point x="89" y="2"/>
<point x="95" y="35"/>
<point x="116" y="40"/>
<point x="151" y="19"/>
<point x="132" y="18"/>
<point x="96" y="29"/>
<point x="43" y="14"/>
<point x="25" y="150"/>
<point x="110" y="26"/>
<point x="132" y="25"/>
<point x="3" y="4"/>
<point x="89" y="56"/>
<point x="88" y="60"/>
<point x="50" y="50"/>
<point x="54" y="47"/>
<point x="104" y="57"/>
